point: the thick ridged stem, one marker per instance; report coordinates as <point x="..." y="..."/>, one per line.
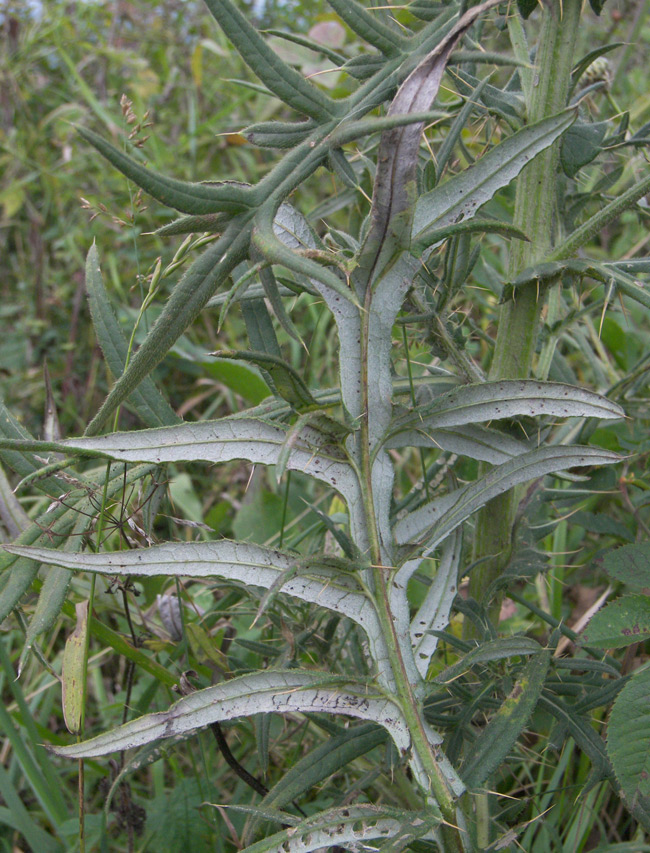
<point x="535" y="214"/>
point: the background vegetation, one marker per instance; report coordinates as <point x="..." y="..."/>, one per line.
<point x="165" y="76"/>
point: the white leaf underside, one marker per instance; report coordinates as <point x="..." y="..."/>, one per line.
<point x="430" y="524"/>
<point x="225" y="440"/>
<point x="471" y="404"/>
<point x="271" y="691"/>
<point x="243" y="562"/>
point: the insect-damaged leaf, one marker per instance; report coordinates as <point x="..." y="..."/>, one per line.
<point x="620" y="623"/>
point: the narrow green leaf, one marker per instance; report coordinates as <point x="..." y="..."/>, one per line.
<point x="492" y="746"/>
<point x="330" y="757"/>
<point x="280" y="78"/>
<point x="278" y="134"/>
<point x="369" y="27"/>
<point x="196" y="199"/>
<point x="504" y="647"/>
<point x="147" y="400"/>
<point x="213" y="223"/>
<point x="620" y="623"/>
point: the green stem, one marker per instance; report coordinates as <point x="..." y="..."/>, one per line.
<point x="535" y="214"/>
<point x="455" y="841"/>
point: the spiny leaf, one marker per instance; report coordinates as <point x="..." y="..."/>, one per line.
<point x="280" y="78"/>
<point x="504" y="647"/>
<point x="242" y="562"/>
<point x="462" y="195"/>
<point x="196" y="199"/>
<point x="497" y="739"/>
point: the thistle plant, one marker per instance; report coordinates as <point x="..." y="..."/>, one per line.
<point x="261" y="252"/>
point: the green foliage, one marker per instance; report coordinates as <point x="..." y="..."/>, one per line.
<point x="300" y="433"/>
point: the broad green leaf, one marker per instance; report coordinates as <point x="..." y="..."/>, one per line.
<point x="196" y="199"/>
<point x="494" y="743"/>
<point x="581" y="144"/>
<point x="280" y="78"/>
<point x="72" y="671"/>
<point x="147" y="400"/>
<point x="512" y="398"/>
<point x="629" y="564"/>
<point x="271" y="691"/>
<point x="628" y="739"/>
<point x="504" y="647"/>
<point x="433" y="613"/>
<point x="344" y="826"/>
<point x="437" y="519"/>
<point x="620" y="623"/>
<point x="461" y="196"/>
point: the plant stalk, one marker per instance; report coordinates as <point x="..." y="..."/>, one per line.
<point x="536" y="215"/>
